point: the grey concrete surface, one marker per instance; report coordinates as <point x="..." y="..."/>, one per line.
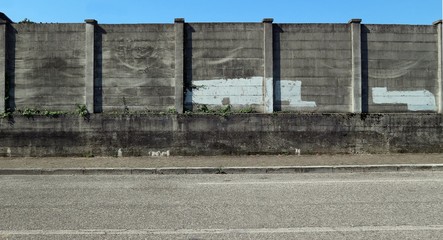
<point x="90" y="26"/>
<point x="320" y="57"/>
<point x="136" y="67"/>
<point x="357" y="106"/>
<point x="212" y="134"/>
<point x="3" y="27"/>
<point x="387" y="64"/>
<point x="281" y="206"/>
<point x="122" y="70"/>
<point x="220" y="161"/>
<point x="179" y="30"/>
<point x="263" y="66"/>
<point x="46" y="66"/>
<point x="222" y="164"/>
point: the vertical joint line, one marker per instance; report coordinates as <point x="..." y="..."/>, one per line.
<point x="268" y="79"/>
<point x="439" y="99"/>
<point x="89" y="68"/>
<point x="179" y="25"/>
<point x="3" y="68"/>
<point x="356" y="84"/>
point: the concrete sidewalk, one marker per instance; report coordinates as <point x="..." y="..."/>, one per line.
<point x="223" y="164"/>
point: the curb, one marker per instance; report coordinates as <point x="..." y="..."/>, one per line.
<point x="223" y="170"/>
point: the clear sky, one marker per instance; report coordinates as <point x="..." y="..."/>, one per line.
<point x="283" y="11"/>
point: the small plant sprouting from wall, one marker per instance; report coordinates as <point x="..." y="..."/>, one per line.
<point x="226" y="110"/>
<point x="26" y="21"/>
<point x="82" y="110"/>
<point x="29" y="112"/>
<point x="53" y="114"/>
<point x="6" y="114"/>
<point x="172" y="111"/>
<point x="32" y="112"/>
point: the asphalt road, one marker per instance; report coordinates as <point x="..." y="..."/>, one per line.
<point x="272" y="206"/>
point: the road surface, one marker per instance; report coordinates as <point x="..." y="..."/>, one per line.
<point x="273" y="206"/>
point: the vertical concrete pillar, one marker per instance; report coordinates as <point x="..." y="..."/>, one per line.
<point x="356" y="106"/>
<point x="439" y="96"/>
<point x="89" y="64"/>
<point x="179" y="28"/>
<point x="268" y="78"/>
<point x="2" y="64"/>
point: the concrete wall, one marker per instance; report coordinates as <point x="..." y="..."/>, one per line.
<point x="326" y="74"/>
<point x="312" y="67"/>
<point x="224" y="64"/>
<point x="135" y="67"/>
<point x="138" y="135"/>
<point x="47" y="65"/>
<point x="328" y="68"/>
<point x="400" y="64"/>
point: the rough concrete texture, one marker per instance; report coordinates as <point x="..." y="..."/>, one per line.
<point x="318" y="56"/>
<point x="46" y="66"/>
<point x="400" y="67"/>
<point x="224" y="64"/>
<point x="2" y="62"/>
<point x="143" y="67"/>
<point x="221" y="161"/>
<point x="135" y="67"/>
<point x="212" y="134"/>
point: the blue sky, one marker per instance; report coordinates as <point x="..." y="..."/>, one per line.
<point x="283" y="11"/>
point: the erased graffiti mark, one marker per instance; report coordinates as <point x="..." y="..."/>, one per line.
<point x="420" y="100"/>
<point x="146" y="59"/>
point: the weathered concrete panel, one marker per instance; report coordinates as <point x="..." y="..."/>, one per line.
<point x="313" y="53"/>
<point x="224" y="64"/>
<point x="400" y="65"/>
<point x="139" y="55"/>
<point x="137" y="135"/>
<point x="225" y="56"/>
<point x="3" y="79"/>
<point x="49" y="66"/>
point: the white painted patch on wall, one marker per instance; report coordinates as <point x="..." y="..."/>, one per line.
<point x="245" y="91"/>
<point x="291" y="91"/>
<point x="420" y="100"/>
<point x="239" y="91"/>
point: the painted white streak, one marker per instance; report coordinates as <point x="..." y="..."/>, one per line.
<point x="245" y="91"/>
<point x="291" y="91"/>
<point x="239" y="91"/>
<point x="420" y="100"/>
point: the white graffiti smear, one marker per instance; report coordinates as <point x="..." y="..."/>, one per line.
<point x="420" y="100"/>
<point x="291" y="91"/>
<point x="244" y="91"/>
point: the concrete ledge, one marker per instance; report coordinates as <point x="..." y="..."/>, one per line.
<point x="366" y="168"/>
<point x="143" y="171"/>
<point x="237" y="134"/>
<point x="107" y="171"/>
<point x="62" y="171"/>
<point x="223" y="170"/>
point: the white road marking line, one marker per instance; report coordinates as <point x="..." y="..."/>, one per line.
<point x="221" y="231"/>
